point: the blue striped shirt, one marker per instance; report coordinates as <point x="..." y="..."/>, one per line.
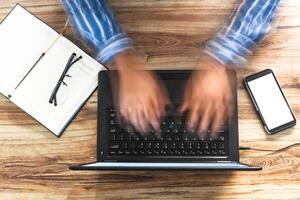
<point x="95" y="22"/>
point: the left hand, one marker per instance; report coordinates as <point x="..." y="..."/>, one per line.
<point x="208" y="97"/>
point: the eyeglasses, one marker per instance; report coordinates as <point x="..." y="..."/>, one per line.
<point x="61" y="82"/>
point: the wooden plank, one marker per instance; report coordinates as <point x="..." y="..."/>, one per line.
<point x="34" y="164"/>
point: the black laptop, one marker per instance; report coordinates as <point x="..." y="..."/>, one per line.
<point x="176" y="149"/>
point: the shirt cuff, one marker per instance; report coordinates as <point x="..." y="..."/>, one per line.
<point x="230" y="48"/>
<point x="114" y="46"/>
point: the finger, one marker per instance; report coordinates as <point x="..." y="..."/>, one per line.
<point x="186" y="101"/>
<point x="158" y="100"/>
<point x="161" y="109"/>
<point x="165" y="103"/>
<point x="184" y="107"/>
<point x="123" y="111"/>
<point x="160" y="103"/>
<point x="134" y="118"/>
<point x="205" y="120"/>
<point x="125" y="116"/>
<point x="152" y="119"/>
<point x="165" y="95"/>
<point x="228" y="103"/>
<point x="167" y="100"/>
<point x="143" y="122"/>
<point x="129" y="124"/>
<point x="193" y="117"/>
<point x="218" y="120"/>
<point x="228" y="106"/>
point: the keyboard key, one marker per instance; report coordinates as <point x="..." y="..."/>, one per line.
<point x="168" y="137"/>
<point x="198" y="146"/>
<point x="184" y="152"/>
<point x="222" y="145"/>
<point x="134" y="152"/>
<point x="221" y="152"/>
<point x="176" y="138"/>
<point x="156" y="145"/>
<point x="213" y="145"/>
<point x="140" y="145"/>
<point x="173" y="145"/>
<point x="148" y="152"/>
<point x="190" y="145"/>
<point x="164" y="145"/>
<point x="177" y="152"/>
<point x="124" y="145"/>
<point x="152" y="138"/>
<point x="127" y="152"/>
<point x="112" y="122"/>
<point x="148" y="145"/>
<point x="163" y="152"/>
<point x="114" y="146"/>
<point x="206" y="152"/>
<point x="171" y="152"/>
<point x="142" y="152"/>
<point x="155" y="152"/>
<point x="112" y="115"/>
<point x="121" y="137"/>
<point x="113" y="130"/>
<point x="199" y="152"/>
<point x="206" y="145"/>
<point x="132" y="145"/>
<point x="222" y="138"/>
<point x="113" y="137"/>
<point x="120" y="152"/>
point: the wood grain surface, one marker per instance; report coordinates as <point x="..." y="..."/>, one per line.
<point x="34" y="164"/>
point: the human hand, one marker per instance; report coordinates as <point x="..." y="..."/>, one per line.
<point x="208" y="98"/>
<point x="142" y="99"/>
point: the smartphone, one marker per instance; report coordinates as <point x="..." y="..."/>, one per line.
<point x="269" y="101"/>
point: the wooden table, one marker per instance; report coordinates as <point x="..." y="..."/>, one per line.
<point x="34" y="164"/>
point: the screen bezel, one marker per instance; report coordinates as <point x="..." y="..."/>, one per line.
<point x="259" y="75"/>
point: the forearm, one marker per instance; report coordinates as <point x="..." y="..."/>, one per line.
<point x="95" y="23"/>
<point x="249" y="24"/>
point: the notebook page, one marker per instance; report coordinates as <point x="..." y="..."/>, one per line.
<point x="23" y="38"/>
<point x="34" y="93"/>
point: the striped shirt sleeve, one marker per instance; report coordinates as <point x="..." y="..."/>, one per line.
<point x="94" y="21"/>
<point x="246" y="27"/>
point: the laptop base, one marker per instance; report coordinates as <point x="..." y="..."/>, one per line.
<point x="164" y="166"/>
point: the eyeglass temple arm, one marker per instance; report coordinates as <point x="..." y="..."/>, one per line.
<point x="70" y="62"/>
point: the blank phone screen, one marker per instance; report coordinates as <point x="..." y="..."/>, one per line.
<point x="270" y="101"/>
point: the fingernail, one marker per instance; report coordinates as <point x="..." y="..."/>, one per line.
<point x="201" y="132"/>
<point x="155" y="125"/>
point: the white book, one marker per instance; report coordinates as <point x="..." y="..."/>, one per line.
<point x="23" y="40"/>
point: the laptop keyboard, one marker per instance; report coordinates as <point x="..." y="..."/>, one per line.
<point x="175" y="140"/>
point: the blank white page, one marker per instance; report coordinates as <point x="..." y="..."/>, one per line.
<point x="23" y="38"/>
<point x="34" y="93"/>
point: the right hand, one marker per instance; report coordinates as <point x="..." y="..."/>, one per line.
<point x="142" y="98"/>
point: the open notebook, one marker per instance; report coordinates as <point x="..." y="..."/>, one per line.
<point x="23" y="40"/>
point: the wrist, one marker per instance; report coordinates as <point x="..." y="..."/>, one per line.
<point x="128" y="60"/>
<point x="208" y="63"/>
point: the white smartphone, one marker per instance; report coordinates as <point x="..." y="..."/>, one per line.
<point x="269" y="101"/>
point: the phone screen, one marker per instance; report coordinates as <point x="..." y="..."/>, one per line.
<point x="270" y="101"/>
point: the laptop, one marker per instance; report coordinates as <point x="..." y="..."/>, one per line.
<point x="177" y="149"/>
